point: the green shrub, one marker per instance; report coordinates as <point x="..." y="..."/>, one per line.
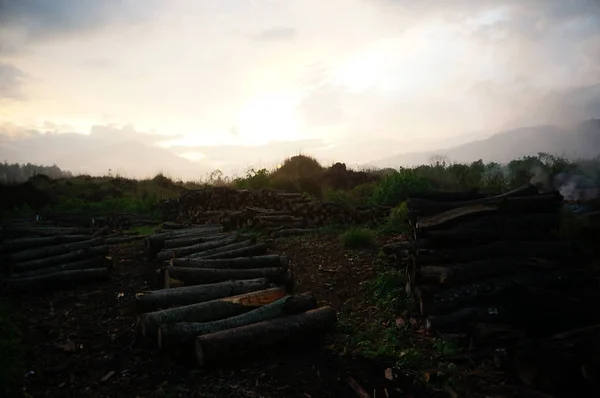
<point x="396" y="222"/>
<point x="397" y="187"/>
<point x="337" y="196"/>
<point x="357" y="237"/>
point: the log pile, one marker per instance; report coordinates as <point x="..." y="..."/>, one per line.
<point x="110" y="220"/>
<point x="36" y="257"/>
<point x="269" y="210"/>
<point x="223" y="295"/>
<point x="496" y="270"/>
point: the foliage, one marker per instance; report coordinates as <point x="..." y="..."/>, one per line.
<point x="397" y="221"/>
<point x="397" y="187"/>
<point x="12" y="173"/>
<point x="359" y="237"/>
<point x="143" y="205"/>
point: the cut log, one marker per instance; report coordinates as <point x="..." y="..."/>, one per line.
<point x="185" y="332"/>
<point x="57" y="280"/>
<point x="30" y="243"/>
<point x="291" y="232"/>
<point x="210" y="310"/>
<point x="47" y="230"/>
<point x="255" y="250"/>
<point x="453" y="298"/>
<point x="451" y="218"/>
<point x="453" y="237"/>
<point x="190" y="241"/>
<point x="266" y="261"/>
<point x="462" y="319"/>
<point x="288" y="330"/>
<point x="486" y="334"/>
<point x="156" y="242"/>
<point x="458" y="273"/>
<point x="48" y="251"/>
<point x="195" y="249"/>
<point x="224" y="248"/>
<point x="198" y="276"/>
<point x="85" y="253"/>
<point x="95" y="262"/>
<point x="122" y="239"/>
<point x="158" y="299"/>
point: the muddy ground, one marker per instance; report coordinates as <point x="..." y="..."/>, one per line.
<point x="82" y="343"/>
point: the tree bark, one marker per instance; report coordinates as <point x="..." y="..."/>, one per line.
<point x="156" y="242"/>
<point x="267" y="261"/>
<point x="291" y="232"/>
<point x="210" y="310"/>
<point x="454" y="237"/>
<point x="43" y="252"/>
<point x="81" y="254"/>
<point x="195" y="249"/>
<point x="95" y="262"/>
<point x="190" y="241"/>
<point x="158" y="299"/>
<point x="30" y="243"/>
<point x="285" y="330"/>
<point x="185" y="332"/>
<point x="47" y="230"/>
<point x="461" y="319"/>
<point x="57" y="280"/>
<point x="122" y="239"/>
<point x="198" y="276"/>
<point x="224" y="248"/>
<point x="453" y="217"/>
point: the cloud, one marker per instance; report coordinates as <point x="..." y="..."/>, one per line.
<point x="276" y="34"/>
<point x="11" y="79"/>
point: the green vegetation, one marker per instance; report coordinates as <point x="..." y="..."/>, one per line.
<point x="11" y="353"/>
<point x="356" y="238"/>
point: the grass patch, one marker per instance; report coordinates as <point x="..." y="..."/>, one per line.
<point x="12" y="367"/>
<point x="358" y="237"/>
<point x="397" y="221"/>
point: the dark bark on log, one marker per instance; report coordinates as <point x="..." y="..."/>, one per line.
<point x="291" y="232"/>
<point x="264" y="334"/>
<point x="81" y="254"/>
<point x="185" y="332"/>
<point x="47" y="230"/>
<point x="461" y="319"/>
<point x="156" y="242"/>
<point x="255" y="250"/>
<point x="195" y="249"/>
<point x="30" y="243"/>
<point x="122" y="239"/>
<point x="96" y="262"/>
<point x="182" y="242"/>
<point x="210" y="310"/>
<point x="43" y="252"/>
<point x="453" y="298"/>
<point x="534" y="221"/>
<point x="266" y="261"/>
<point x="198" y="276"/>
<point x="224" y="248"/>
<point x="459" y="273"/>
<point x="154" y="300"/>
<point x="453" y="217"/>
<point x="57" y="280"/>
<point x="486" y="334"/>
<point x="452" y="238"/>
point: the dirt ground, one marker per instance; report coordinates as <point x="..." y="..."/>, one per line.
<point x="82" y="343"/>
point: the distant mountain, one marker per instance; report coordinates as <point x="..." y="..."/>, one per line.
<point x="581" y="141"/>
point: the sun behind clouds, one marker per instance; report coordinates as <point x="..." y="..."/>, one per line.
<point x="267" y="118"/>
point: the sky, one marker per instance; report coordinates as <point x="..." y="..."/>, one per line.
<point x="187" y="86"/>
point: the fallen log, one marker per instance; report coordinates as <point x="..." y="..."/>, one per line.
<point x="486" y="334"/>
<point x="461" y="319"/>
<point x="292" y="232"/>
<point x="195" y="249"/>
<point x="48" y="251"/>
<point x="453" y="298"/>
<point x="185" y="332"/>
<point x="190" y="241"/>
<point x="90" y="263"/>
<point x="15" y="245"/>
<point x="158" y="299"/>
<point x="255" y="250"/>
<point x="46" y="230"/>
<point x="156" y="242"/>
<point x="458" y="273"/>
<point x="266" y="261"/>
<point x="198" y="276"/>
<point x="85" y="253"/>
<point x="122" y="239"/>
<point x="224" y="248"/>
<point x="210" y="310"/>
<point x="57" y="280"/>
<point x="453" y="217"/>
<point x="289" y="329"/>
<point x="454" y="237"/>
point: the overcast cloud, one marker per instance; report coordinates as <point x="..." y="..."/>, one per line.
<point x="216" y="81"/>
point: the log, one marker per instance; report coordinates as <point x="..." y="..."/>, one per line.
<point x="30" y="243"/>
<point x="85" y="253"/>
<point x="486" y="334"/>
<point x="190" y="241"/>
<point x="185" y="332"/>
<point x="224" y="248"/>
<point x="158" y="299"/>
<point x="122" y="239"/>
<point x="461" y="319"/>
<point x="49" y="251"/>
<point x="292" y="232"/>
<point x="451" y="218"/>
<point x="267" y="261"/>
<point x="156" y="242"/>
<point x="452" y="298"/>
<point x="210" y="310"/>
<point x="195" y="249"/>
<point x="454" y="237"/>
<point x="255" y="250"/>
<point x="57" y="280"/>
<point x="90" y="263"/>
<point x="458" y="273"/>
<point x="47" y="230"/>
<point x="265" y="334"/>
<point x="198" y="276"/>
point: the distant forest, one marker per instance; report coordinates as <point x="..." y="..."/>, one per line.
<point x="11" y="173"/>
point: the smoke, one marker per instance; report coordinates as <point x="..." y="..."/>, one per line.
<point x="540" y="178"/>
<point x="575" y="187"/>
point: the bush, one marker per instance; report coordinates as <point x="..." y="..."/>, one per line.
<point x="397" y="220"/>
<point x="397" y="187"/>
<point x="357" y="237"/>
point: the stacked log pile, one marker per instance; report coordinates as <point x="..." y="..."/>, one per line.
<point x="223" y="294"/>
<point x="270" y="210"/>
<point x="37" y="257"/>
<point x="496" y="270"/>
<point x="111" y="220"/>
